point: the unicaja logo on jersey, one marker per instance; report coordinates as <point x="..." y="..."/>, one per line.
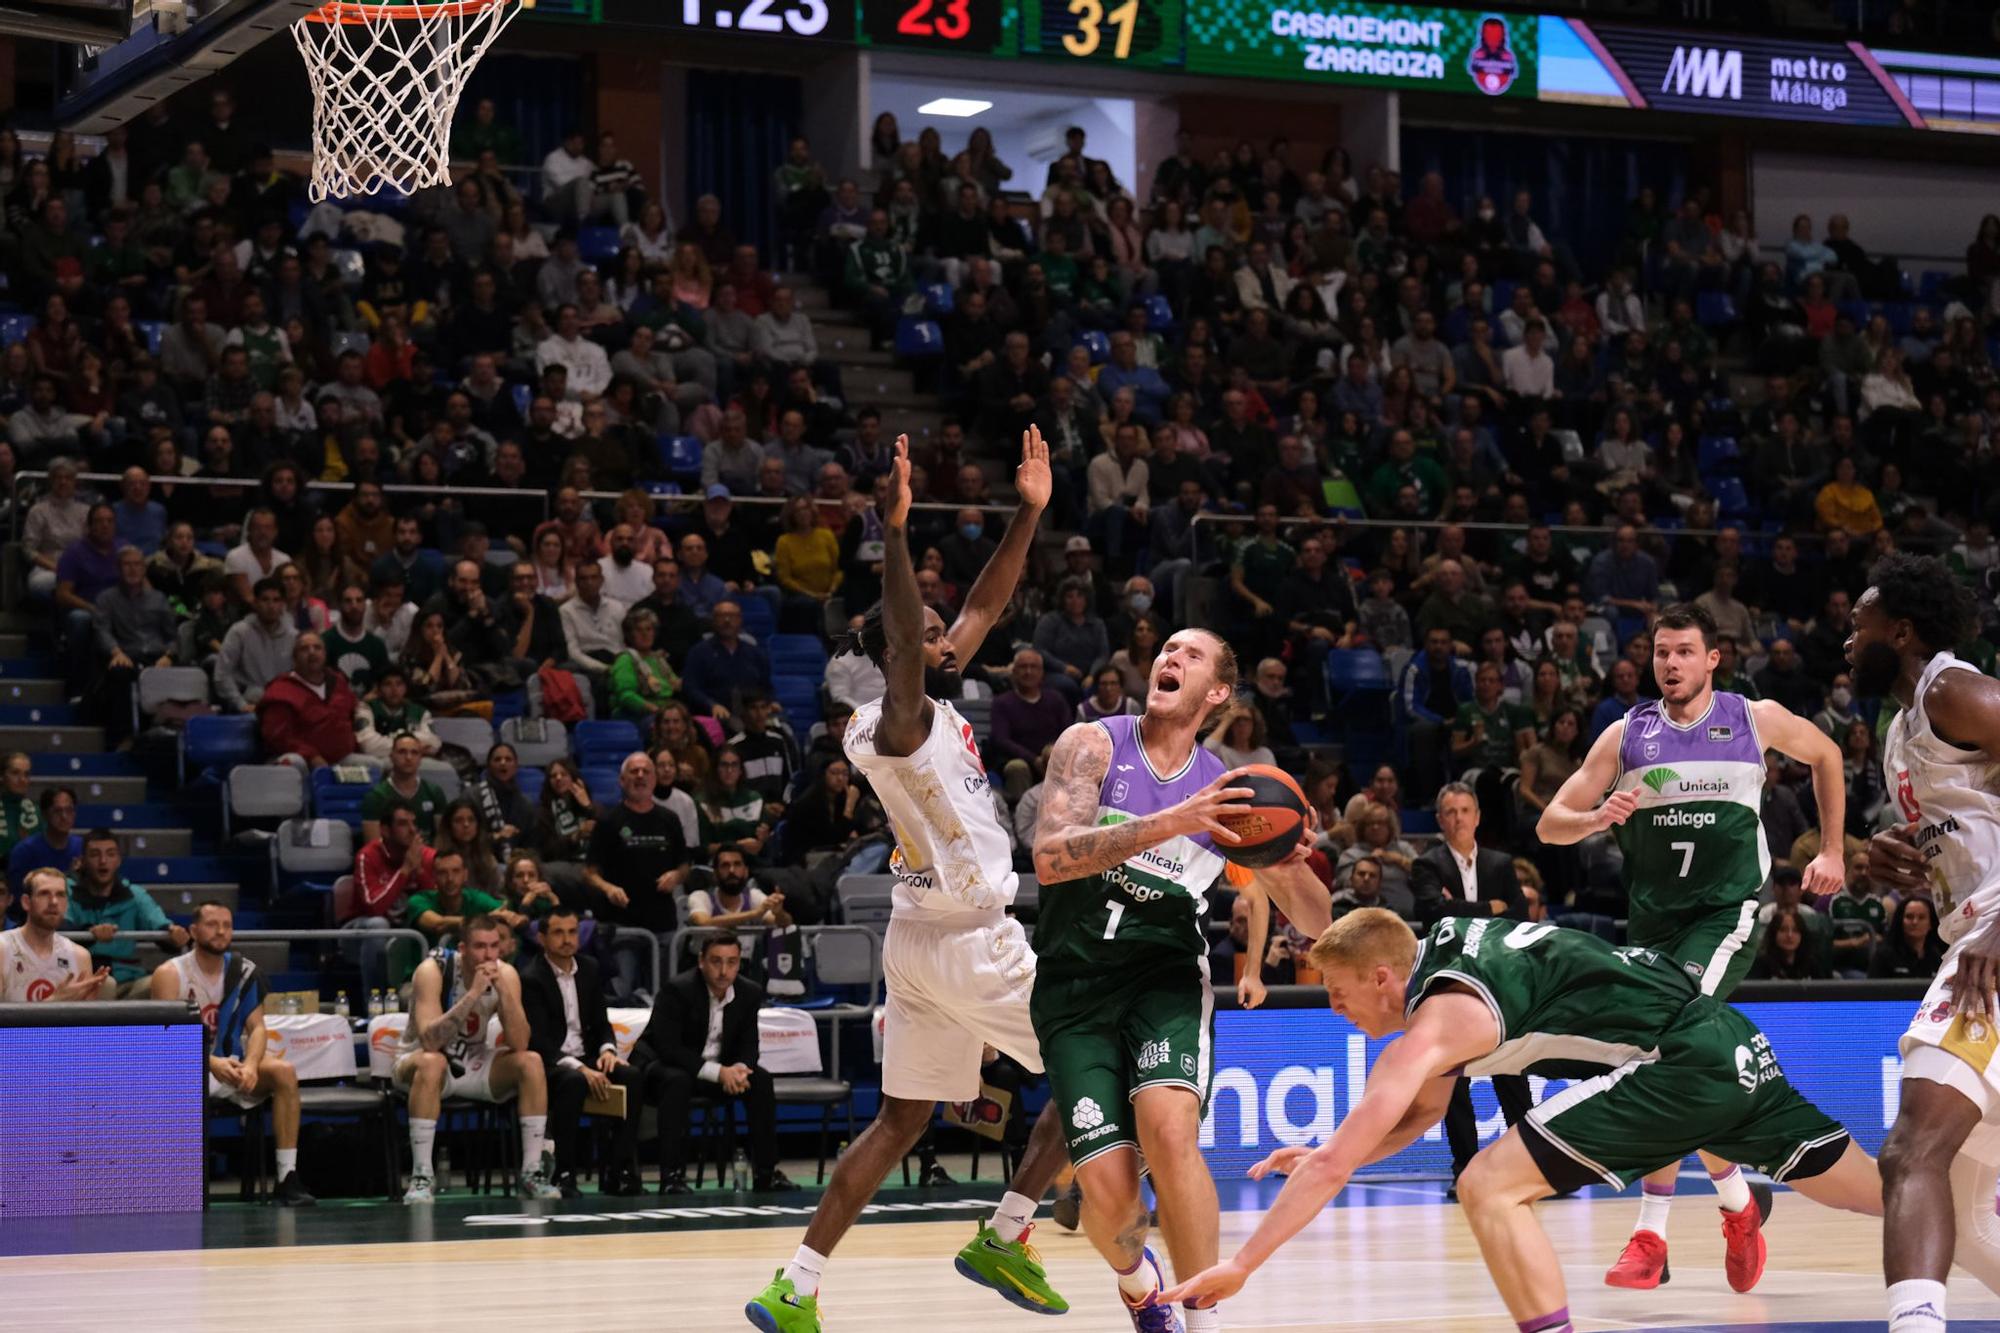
<point x="1658" y="778"/>
<point x="1086" y="1114"/>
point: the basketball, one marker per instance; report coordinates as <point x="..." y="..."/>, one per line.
<point x="1269" y="822"/>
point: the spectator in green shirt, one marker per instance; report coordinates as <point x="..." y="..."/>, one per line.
<point x="1859" y="916"/>
<point x="405" y="782"/>
<point x="1256" y="575"/>
<point x="1489" y="733"/>
<point x="20" y="816"/>
<point x="444" y="910"/>
<point x="1405" y="467"/>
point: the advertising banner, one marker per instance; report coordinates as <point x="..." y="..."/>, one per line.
<point x="1396" y="46"/>
<point x="1288" y="1076"/>
<point x="1769" y="78"/>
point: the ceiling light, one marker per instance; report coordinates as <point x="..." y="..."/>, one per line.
<point x="953" y="106"/>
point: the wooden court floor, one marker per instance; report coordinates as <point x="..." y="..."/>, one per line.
<point x="1407" y="1263"/>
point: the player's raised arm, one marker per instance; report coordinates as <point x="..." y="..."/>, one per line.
<point x="995" y="585"/>
<point x="1794" y="736"/>
<point x="1575" y="813"/>
<point x="1070" y="843"/>
<point x="906" y="713"/>
<point x="1447" y="1031"/>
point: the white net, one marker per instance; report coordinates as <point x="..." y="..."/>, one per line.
<point x="386" y="80"/>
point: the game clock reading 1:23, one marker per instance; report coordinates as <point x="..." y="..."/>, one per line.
<point x="1134" y="32"/>
<point x="831" y="20"/>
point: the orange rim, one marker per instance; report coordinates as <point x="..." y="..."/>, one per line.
<point x="349" y="11"/>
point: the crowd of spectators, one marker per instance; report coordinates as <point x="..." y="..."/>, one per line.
<point x="1336" y="416"/>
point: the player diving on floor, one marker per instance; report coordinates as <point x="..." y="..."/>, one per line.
<point x="1661" y="1069"/>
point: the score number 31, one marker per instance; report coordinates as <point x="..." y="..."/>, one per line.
<point x="1089" y="34"/>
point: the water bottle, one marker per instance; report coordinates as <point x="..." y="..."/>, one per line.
<point x="375" y="1002"/>
<point x="340" y="1009"/>
<point x="739" y="1172"/>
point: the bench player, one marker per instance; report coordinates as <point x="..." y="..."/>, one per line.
<point x="1126" y="852"/>
<point x="958" y="968"/>
<point x="1942" y="762"/>
<point x="1663" y="1070"/>
<point x="36" y="963"/>
<point x="1685" y="775"/>
<point x="453" y="997"/>
<point x="224" y="988"/>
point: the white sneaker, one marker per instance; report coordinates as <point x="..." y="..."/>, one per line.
<point x="535" y="1185"/>
<point x="420" y="1191"/>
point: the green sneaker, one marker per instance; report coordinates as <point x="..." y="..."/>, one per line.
<point x="1011" y="1267"/>
<point x="780" y="1309"/>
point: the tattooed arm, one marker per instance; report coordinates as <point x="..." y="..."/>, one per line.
<point x="436" y="1028"/>
<point x="1070" y="843"/>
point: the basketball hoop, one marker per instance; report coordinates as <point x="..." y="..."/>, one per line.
<point x="386" y="80"/>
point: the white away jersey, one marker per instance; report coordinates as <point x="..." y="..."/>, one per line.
<point x="951" y="853"/>
<point x="1953" y="797"/>
<point x="27" y="977"/>
<point x="197" y="988"/>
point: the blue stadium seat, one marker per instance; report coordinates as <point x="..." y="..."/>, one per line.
<point x="760" y="621"/>
<point x="601" y="781"/>
<point x="803" y="654"/>
<point x="1931" y="285"/>
<point x="1159" y="314"/>
<point x="1099" y="344"/>
<point x="15" y="328"/>
<point x="606" y="742"/>
<point x="1357" y="669"/>
<point x="1714" y="309"/>
<point x="218" y="741"/>
<point x="152" y="330"/>
<point x="333" y="799"/>
<point x="1902" y="315"/>
<point x="1719" y="453"/>
<point x="1731" y="498"/>
<point x="938" y="299"/>
<point x="919" y="339"/>
<point x="597" y="245"/>
<point x="523" y="396"/>
<point x="682" y="455"/>
<point x="1857" y="311"/>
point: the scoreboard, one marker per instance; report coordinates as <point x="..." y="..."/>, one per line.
<point x="1334" y="41"/>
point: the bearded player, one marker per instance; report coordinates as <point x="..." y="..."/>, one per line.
<point x="1660" y="1067"/>
<point x="1685" y="775"/>
<point x="1942" y="761"/>
<point x="958" y="968"/>
<point x="36" y="963"/>
<point x="1126" y="849"/>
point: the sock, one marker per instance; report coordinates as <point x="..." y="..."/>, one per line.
<point x="1732" y="1192"/>
<point x="1202" y="1321"/>
<point x="423" y="1134"/>
<point x="1653" y="1206"/>
<point x="1138" y="1282"/>
<point x="803" y="1271"/>
<point x="534" y="1137"/>
<point x="1916" y="1306"/>
<point x="1011" y="1218"/>
<point x="288" y="1162"/>
<point x="1558" y="1322"/>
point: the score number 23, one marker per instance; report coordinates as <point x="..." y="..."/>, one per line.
<point x="1090" y="20"/>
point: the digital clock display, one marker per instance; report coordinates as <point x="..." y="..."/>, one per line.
<point x="1134" y="32"/>
<point x="827" y="20"/>
<point x="977" y="27"/>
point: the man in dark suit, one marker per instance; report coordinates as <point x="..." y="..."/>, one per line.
<point x="702" y="1040"/>
<point x="1458" y="877"/>
<point x="569" y="1028"/>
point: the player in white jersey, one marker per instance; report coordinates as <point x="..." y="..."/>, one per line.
<point x="36" y="963"/>
<point x="1942" y="762"/>
<point x="959" y="970"/>
<point x="454" y="996"/>
<point x="224" y="988"/>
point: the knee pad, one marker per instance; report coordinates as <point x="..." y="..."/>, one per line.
<point x="1978" y="1246"/>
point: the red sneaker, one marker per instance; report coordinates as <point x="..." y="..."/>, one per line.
<point x="1743" y="1234"/>
<point x="1643" y="1265"/>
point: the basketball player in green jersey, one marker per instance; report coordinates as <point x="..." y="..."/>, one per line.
<point x="1685" y="775"/>
<point x="1660" y="1069"/>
